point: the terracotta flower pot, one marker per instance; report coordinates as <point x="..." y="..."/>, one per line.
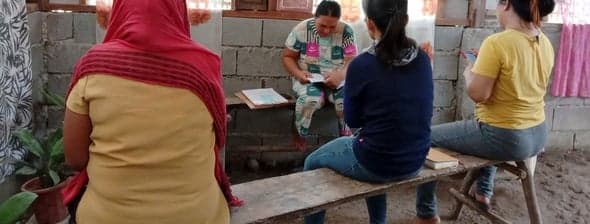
<point x="48" y="207"/>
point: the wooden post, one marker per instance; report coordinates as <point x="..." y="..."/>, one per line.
<point x="471" y="203"/>
<point x="43" y="5"/>
<point x="528" y="186"/>
<point x="465" y="186"/>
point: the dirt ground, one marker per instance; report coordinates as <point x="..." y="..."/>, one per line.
<point x="562" y="184"/>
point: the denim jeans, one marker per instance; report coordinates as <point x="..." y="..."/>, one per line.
<point x="482" y="140"/>
<point x="338" y="155"/>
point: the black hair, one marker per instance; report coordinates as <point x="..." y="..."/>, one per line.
<point x="328" y="8"/>
<point x="532" y="11"/>
<point x="391" y="18"/>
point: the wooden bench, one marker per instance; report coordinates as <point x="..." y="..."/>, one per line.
<point x="296" y="195"/>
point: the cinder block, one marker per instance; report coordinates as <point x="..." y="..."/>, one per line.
<point x="235" y="84"/>
<point x="60" y="26"/>
<point x="288" y="158"/>
<point x="55" y="117"/>
<point x="570" y="101"/>
<point x="448" y="38"/>
<point x="229" y="57"/>
<point x="276" y="121"/>
<point x="467" y="107"/>
<point x="243" y="140"/>
<point x="473" y="37"/>
<point x="571" y="118"/>
<point x="40" y="119"/>
<point x="444" y="93"/>
<point x="36" y="20"/>
<point x="454" y="9"/>
<point x="58" y="84"/>
<point x="560" y="141"/>
<point x="85" y="28"/>
<point x="39" y="81"/>
<point x="281" y="85"/>
<point x="446" y="66"/>
<point x="443" y="115"/>
<point x="37" y="63"/>
<point x="582" y="141"/>
<point x="324" y="122"/>
<point x="260" y="62"/>
<point x="241" y="32"/>
<point x="549" y="112"/>
<point x="275" y="32"/>
<point x="209" y="33"/>
<point x="282" y="140"/>
<point x="100" y="33"/>
<point x="553" y="32"/>
<point x="63" y="57"/>
<point x="551" y="101"/>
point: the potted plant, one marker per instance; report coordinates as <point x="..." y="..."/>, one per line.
<point x="15" y="207"/>
<point x="46" y="163"/>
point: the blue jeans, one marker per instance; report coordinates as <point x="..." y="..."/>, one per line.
<point x="338" y="155"/>
<point x="479" y="139"/>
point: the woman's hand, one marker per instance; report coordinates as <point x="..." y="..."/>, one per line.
<point x="302" y="76"/>
<point x="467" y="73"/>
<point x="334" y="78"/>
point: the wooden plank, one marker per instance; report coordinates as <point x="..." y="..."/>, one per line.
<point x="472" y="204"/>
<point x="452" y="22"/>
<point x="290" y="102"/>
<point x="233" y="101"/>
<point x="74" y="8"/>
<point x="291" y="196"/>
<point x="282" y="15"/>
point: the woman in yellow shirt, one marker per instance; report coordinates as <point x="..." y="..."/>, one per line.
<point x="145" y="118"/>
<point x="508" y="82"/>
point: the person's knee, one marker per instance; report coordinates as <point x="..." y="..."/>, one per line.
<point x="311" y="162"/>
<point x="313" y="102"/>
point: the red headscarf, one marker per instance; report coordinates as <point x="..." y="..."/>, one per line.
<point x="149" y="41"/>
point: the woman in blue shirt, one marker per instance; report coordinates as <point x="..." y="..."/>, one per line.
<point x="388" y="95"/>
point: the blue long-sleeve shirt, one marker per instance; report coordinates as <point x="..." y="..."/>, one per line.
<point x="393" y="108"/>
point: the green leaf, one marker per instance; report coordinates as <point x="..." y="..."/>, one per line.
<point x="30" y="142"/>
<point x="57" y="148"/>
<point x="54" y="99"/>
<point x="54" y="177"/>
<point x="26" y="170"/>
<point x="13" y="208"/>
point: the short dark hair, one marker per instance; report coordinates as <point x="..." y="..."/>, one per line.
<point x="328" y="8"/>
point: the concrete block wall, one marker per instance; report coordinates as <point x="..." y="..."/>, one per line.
<point x="58" y="40"/>
<point x="251" y="53"/>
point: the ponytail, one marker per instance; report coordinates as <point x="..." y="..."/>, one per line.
<point x="390" y="17"/>
<point x="535" y="12"/>
<point x="393" y="39"/>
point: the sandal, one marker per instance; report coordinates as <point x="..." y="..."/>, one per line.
<point x="482" y="201"/>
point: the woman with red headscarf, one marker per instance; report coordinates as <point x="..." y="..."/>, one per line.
<point x="144" y="121"/>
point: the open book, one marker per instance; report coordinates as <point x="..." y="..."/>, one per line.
<point x="261" y="98"/>
<point x="319" y="78"/>
<point x="437" y="159"/>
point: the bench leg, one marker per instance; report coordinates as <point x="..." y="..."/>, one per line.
<point x="528" y="187"/>
<point x="465" y="186"/>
